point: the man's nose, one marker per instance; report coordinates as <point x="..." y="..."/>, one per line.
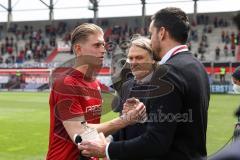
<point x="103" y="50"/>
<point x="133" y="62"/>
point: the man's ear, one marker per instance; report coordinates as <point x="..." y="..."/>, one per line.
<point x="162" y="33"/>
<point x="77" y="49"/>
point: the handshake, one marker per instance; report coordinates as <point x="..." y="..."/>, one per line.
<point x="134" y="111"/>
<point x="93" y="144"/>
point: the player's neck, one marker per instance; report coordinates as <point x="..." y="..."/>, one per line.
<point x="88" y="72"/>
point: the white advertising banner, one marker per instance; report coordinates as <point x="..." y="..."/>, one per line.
<point x="4" y="79"/>
<point x="37" y="80"/>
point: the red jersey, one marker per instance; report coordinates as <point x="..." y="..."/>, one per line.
<point x="71" y="96"/>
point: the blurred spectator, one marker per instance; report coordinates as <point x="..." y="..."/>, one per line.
<point x="205" y="40"/>
<point x="222" y="74"/>
<point x="202" y="19"/>
<point x="189" y="44"/>
<point x="220" y="22"/>
<point x="203" y="58"/>
<point x="238" y="39"/>
<point x="2" y="50"/>
<point x="217" y="53"/>
<point x="206" y="20"/>
<point x="53" y="41"/>
<point x="201" y="48"/>
<point x="194" y="35"/>
<point x="209" y="29"/>
<point x="223" y="36"/>
<point x="9" y="50"/>
<point x="205" y="29"/>
<point x="225" y="50"/>
<point x="233" y="48"/>
<point x="29" y="54"/>
<point x="215" y="22"/>
<point x="233" y="38"/>
<point x="1" y="32"/>
<point x="227" y="38"/>
<point x="1" y="59"/>
<point x="44" y="50"/>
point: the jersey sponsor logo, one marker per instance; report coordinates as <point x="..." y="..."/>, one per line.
<point x="95" y="110"/>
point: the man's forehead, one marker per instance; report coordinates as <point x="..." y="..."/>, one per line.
<point x="100" y="37"/>
<point x="132" y="55"/>
<point x="137" y="51"/>
<point x="97" y="38"/>
<point x="100" y="40"/>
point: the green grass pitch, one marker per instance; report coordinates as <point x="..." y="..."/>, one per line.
<point x="24" y="120"/>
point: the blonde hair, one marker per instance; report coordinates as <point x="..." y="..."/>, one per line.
<point x="83" y="31"/>
<point x="142" y="42"/>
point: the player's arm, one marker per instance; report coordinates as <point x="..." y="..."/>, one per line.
<point x="75" y="126"/>
<point x="133" y="110"/>
<point x="111" y="126"/>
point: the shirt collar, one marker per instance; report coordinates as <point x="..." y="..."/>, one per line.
<point x="172" y="52"/>
<point x="145" y="79"/>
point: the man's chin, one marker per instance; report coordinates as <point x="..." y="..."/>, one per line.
<point x="97" y="64"/>
<point x="140" y="74"/>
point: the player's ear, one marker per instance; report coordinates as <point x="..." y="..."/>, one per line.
<point x="77" y="49"/>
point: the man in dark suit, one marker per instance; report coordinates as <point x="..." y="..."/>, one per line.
<point x="178" y="118"/>
<point x="142" y="64"/>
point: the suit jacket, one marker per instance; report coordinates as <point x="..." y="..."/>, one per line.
<point x="178" y="115"/>
<point x="137" y="129"/>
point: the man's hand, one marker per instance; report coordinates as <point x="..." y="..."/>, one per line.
<point x="94" y="148"/>
<point x="133" y="111"/>
<point x="130" y="104"/>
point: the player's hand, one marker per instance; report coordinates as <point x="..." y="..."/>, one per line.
<point x="94" y="148"/>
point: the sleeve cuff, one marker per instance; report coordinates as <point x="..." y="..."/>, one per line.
<point x="109" y="138"/>
<point x="106" y="151"/>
